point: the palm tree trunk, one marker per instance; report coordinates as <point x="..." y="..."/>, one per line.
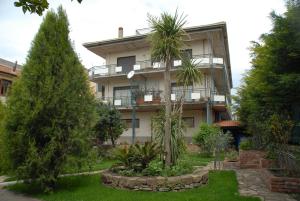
<point x="168" y="114"/>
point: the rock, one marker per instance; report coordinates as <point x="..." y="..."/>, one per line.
<point x="164" y="189"/>
<point x="186" y="179"/>
<point x="146" y="189"/>
<point x="172" y="181"/>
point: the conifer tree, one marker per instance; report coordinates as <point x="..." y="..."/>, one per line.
<point x="50" y="110"/>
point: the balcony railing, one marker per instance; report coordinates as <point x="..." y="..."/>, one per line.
<point x="150" y="66"/>
<point x="190" y="96"/>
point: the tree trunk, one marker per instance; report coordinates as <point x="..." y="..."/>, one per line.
<point x="112" y="138"/>
<point x="168" y="114"/>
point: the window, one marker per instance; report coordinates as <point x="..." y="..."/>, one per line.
<point x="178" y="90"/>
<point x="189" y="121"/>
<point x="4" y="85"/>
<point x="126" y="63"/>
<point x="128" y="123"/>
<point x="101" y="89"/>
<point x="187" y="53"/>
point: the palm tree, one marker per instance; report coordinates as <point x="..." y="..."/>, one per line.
<point x="166" y="40"/>
<point x="187" y="75"/>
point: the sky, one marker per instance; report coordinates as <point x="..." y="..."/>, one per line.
<point x="96" y="20"/>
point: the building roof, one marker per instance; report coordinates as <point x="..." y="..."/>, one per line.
<point x="142" y="36"/>
<point x="10" y="68"/>
<point x="228" y="123"/>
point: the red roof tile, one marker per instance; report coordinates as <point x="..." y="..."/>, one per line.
<point x="228" y="123"/>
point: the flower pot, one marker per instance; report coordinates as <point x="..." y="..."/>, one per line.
<point x="140" y="101"/>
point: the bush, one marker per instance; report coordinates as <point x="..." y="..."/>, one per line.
<point x="137" y="157"/>
<point x="246" y="144"/>
<point x="210" y="138"/>
<point x="203" y="132"/>
<point x="232" y="155"/>
<point x="155" y="168"/>
<point x="109" y="125"/>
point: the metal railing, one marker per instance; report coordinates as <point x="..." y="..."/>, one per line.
<point x="156" y="97"/>
<point x="152" y="66"/>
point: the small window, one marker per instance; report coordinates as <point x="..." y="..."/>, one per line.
<point x="4" y="86"/>
<point x="187" y="53"/>
<point x="189" y="121"/>
<point x="128" y="123"/>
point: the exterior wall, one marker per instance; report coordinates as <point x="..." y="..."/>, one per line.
<point x="144" y="132"/>
<point x="198" y="47"/>
<point x="143" y="79"/>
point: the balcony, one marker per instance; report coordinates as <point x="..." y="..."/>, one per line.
<point x="156" y="98"/>
<point x="202" y="61"/>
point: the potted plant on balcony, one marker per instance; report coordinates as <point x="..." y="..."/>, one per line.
<point x="156" y="96"/>
<point x="139" y="95"/>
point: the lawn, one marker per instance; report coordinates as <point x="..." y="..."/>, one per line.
<point x="196" y="159"/>
<point x="98" y="165"/>
<point x="222" y="186"/>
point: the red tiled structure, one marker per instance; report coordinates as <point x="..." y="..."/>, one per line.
<point x="8" y="72"/>
<point x="228" y="124"/>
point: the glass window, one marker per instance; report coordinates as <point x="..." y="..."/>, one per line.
<point x="178" y="91"/>
<point x="187" y="53"/>
<point x="4" y="86"/>
<point x="128" y="123"/>
<point x="126" y="63"/>
<point x="189" y="121"/>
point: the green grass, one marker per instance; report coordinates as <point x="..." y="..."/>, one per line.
<point x="196" y="159"/>
<point x="222" y="186"/>
<point x="99" y="165"/>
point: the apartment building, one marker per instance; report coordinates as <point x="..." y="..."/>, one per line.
<point x="8" y="72"/>
<point x="208" y="101"/>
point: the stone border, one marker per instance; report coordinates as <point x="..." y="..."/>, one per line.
<point x="280" y="184"/>
<point x="177" y="183"/>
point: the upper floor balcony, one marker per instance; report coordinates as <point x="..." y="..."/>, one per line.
<point x="156" y="98"/>
<point x="148" y="66"/>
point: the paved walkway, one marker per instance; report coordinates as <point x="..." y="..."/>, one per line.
<point x="6" y="195"/>
<point x="251" y="184"/>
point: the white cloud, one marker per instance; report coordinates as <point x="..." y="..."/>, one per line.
<point x="94" y="20"/>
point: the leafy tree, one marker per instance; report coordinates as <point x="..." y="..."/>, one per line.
<point x="166" y="41"/>
<point x="4" y="165"/>
<point x="34" y="6"/>
<point x="272" y="85"/>
<point x="50" y="110"/>
<point x="109" y="125"/>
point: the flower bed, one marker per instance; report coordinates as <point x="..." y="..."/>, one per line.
<point x="280" y="184"/>
<point x="159" y="183"/>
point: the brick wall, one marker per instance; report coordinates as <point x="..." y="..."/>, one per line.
<point x="280" y="184"/>
<point x="251" y="159"/>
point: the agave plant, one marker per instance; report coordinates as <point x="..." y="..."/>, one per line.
<point x="124" y="155"/>
<point x="146" y="153"/>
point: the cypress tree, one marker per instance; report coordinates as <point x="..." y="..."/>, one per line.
<point x="50" y="108"/>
